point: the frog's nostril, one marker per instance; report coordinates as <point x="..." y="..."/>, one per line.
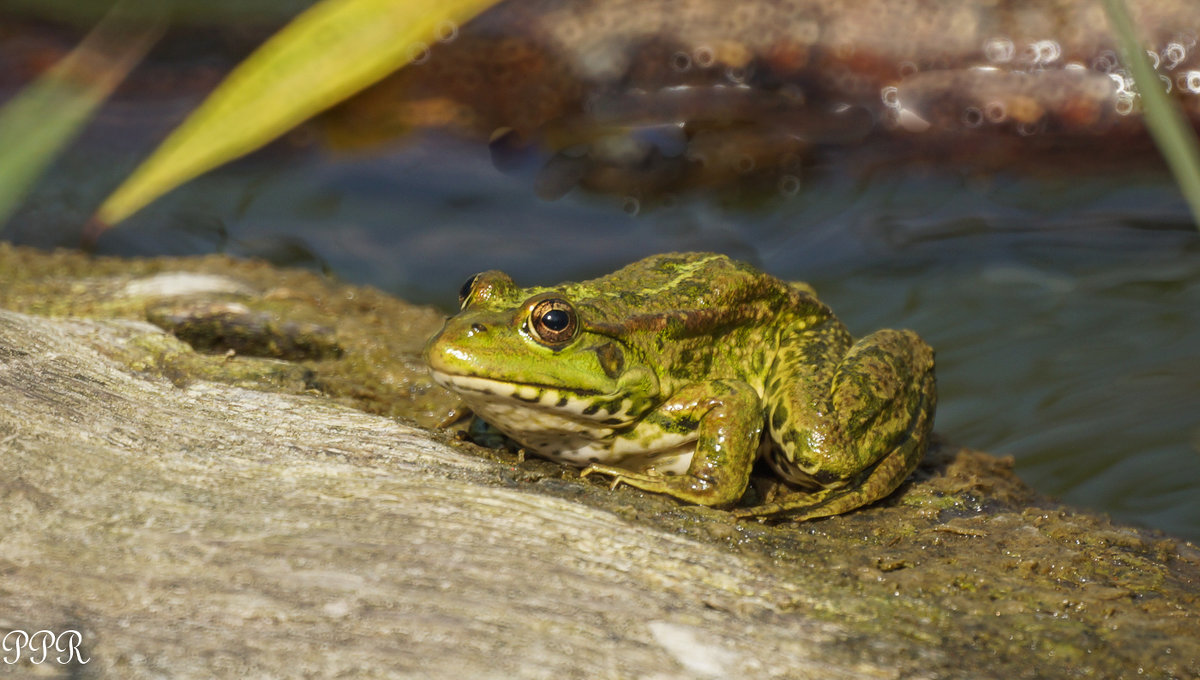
<point x="478" y="328"/>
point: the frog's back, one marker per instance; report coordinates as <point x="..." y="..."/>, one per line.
<point x="698" y="291"/>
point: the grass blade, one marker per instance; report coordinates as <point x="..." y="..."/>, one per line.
<point x="43" y="118"/>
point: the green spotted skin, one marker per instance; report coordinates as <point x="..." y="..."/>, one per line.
<point x="675" y="373"/>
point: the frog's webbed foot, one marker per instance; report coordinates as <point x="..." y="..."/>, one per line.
<point x="688" y="487"/>
<point x="800" y="506"/>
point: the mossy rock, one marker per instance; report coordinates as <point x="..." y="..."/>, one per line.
<point x="212" y="514"/>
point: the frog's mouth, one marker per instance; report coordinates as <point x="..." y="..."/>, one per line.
<point x="582" y="404"/>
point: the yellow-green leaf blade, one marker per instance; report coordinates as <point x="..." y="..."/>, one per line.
<point x="328" y="53"/>
<point x="43" y="118"/>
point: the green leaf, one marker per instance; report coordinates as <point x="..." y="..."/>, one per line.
<point x="42" y="119"/>
<point x="326" y="54"/>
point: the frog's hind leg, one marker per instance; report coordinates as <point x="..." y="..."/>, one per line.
<point x="880" y="481"/>
<point x="867" y="433"/>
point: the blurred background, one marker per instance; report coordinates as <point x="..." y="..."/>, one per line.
<point x="990" y="187"/>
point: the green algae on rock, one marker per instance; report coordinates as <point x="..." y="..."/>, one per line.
<point x="252" y="324"/>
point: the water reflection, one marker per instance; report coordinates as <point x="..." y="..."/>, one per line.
<point x="773" y="89"/>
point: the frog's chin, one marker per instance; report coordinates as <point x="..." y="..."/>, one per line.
<point x="477" y="391"/>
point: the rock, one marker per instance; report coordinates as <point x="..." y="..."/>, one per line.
<point x="194" y="525"/>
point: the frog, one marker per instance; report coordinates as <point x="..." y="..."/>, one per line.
<point x="679" y="372"/>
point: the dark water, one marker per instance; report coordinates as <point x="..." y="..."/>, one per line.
<point x="1064" y="306"/>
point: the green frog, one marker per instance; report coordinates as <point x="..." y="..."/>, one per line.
<point x="676" y="373"/>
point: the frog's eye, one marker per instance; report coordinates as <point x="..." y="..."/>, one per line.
<point x="465" y="292"/>
<point x="553" y="322"/>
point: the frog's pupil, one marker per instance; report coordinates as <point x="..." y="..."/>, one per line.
<point x="556" y="319"/>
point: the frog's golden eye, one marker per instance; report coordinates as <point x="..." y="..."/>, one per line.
<point x="553" y="322"/>
<point x="464" y="293"/>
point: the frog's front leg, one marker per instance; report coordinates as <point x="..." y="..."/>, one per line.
<point x="850" y="428"/>
<point x="726" y="418"/>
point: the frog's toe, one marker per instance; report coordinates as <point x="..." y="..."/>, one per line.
<point x="613" y="472"/>
<point x="621" y="475"/>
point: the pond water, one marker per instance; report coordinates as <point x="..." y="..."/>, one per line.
<point x="1064" y="306"/>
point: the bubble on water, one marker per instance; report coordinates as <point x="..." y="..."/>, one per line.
<point x="1124" y="104"/>
<point x="1028" y="128"/>
<point x="907" y="68"/>
<point x="789" y="185"/>
<point x="418" y="53"/>
<point x="1106" y="61"/>
<point x="681" y="62"/>
<point x="1155" y="60"/>
<point x="890" y="96"/>
<point x="743" y="164"/>
<point x="972" y="117"/>
<point x="995" y="112"/>
<point x="1173" y="54"/>
<point x="704" y="56"/>
<point x="446" y="31"/>
<point x="1122" y="85"/>
<point x="1045" y="52"/>
<point x="1190" y="81"/>
<point x="1166" y="82"/>
<point x="631" y="205"/>
<point x="736" y="74"/>
<point x="999" y="50"/>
